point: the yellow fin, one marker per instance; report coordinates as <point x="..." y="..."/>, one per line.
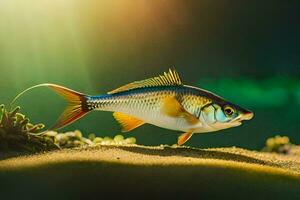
<point x="127" y="122"/>
<point x="173" y="108"/>
<point x="184" y="137"/>
<point x="167" y="79"/>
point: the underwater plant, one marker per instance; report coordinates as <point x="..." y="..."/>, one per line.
<point x="278" y="144"/>
<point x="75" y="138"/>
<point x="18" y="134"/>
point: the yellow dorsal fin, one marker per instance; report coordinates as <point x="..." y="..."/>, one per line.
<point x="173" y="108"/>
<point x="184" y="137"/>
<point x="167" y="79"/>
<point x="127" y="122"/>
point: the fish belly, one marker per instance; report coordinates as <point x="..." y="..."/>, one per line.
<point x="148" y="108"/>
<point x="173" y="123"/>
<point x="155" y="117"/>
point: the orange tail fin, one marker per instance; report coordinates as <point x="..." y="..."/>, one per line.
<point x="76" y="109"/>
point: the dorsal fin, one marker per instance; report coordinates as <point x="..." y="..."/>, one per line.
<point x="167" y="79"/>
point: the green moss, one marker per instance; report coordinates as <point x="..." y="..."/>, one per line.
<point x="18" y="134"/>
<point x="278" y="144"/>
<point x="76" y="139"/>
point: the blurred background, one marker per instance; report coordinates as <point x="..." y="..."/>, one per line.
<point x="245" y="51"/>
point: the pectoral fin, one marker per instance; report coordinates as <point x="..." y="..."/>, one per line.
<point x="184" y="137"/>
<point x="173" y="108"/>
<point x="127" y="122"/>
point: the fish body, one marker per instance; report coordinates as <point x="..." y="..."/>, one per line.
<point x="147" y="104"/>
<point x="163" y="101"/>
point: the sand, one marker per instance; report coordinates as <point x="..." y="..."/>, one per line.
<point x="155" y="172"/>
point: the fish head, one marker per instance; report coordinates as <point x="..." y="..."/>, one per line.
<point x="222" y="114"/>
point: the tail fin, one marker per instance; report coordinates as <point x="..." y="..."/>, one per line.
<point x="76" y="109"/>
<point x="77" y="104"/>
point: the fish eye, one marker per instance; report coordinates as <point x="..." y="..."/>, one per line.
<point x="228" y="110"/>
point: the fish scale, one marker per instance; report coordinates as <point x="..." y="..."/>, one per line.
<point x="146" y="103"/>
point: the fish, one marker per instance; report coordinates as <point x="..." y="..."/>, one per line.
<point x="163" y="101"/>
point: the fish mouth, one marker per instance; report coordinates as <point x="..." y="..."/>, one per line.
<point x="247" y="116"/>
<point x="236" y="123"/>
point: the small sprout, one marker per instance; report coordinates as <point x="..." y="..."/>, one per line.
<point x="69" y="134"/>
<point x="98" y="140"/>
<point x="62" y="139"/>
<point x="87" y="141"/>
<point x="35" y="128"/>
<point x="118" y="138"/>
<point x="29" y="125"/>
<point x="107" y="141"/>
<point x="60" y="136"/>
<point x="78" y="134"/>
<point x="24" y="122"/>
<point x="92" y="136"/>
<point x="69" y="144"/>
<point x="51" y="133"/>
<point x="130" y="140"/>
<point x="14" y="111"/>
<point x="78" y="143"/>
<point x="19" y="117"/>
<point x="278" y="144"/>
<point x="106" y="138"/>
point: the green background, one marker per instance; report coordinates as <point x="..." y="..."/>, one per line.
<point x="245" y="51"/>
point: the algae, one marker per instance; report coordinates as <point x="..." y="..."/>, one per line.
<point x="19" y="135"/>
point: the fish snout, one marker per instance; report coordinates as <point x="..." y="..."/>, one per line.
<point x="247" y="115"/>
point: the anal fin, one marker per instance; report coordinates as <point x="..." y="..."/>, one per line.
<point x="127" y="122"/>
<point x="184" y="137"/>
